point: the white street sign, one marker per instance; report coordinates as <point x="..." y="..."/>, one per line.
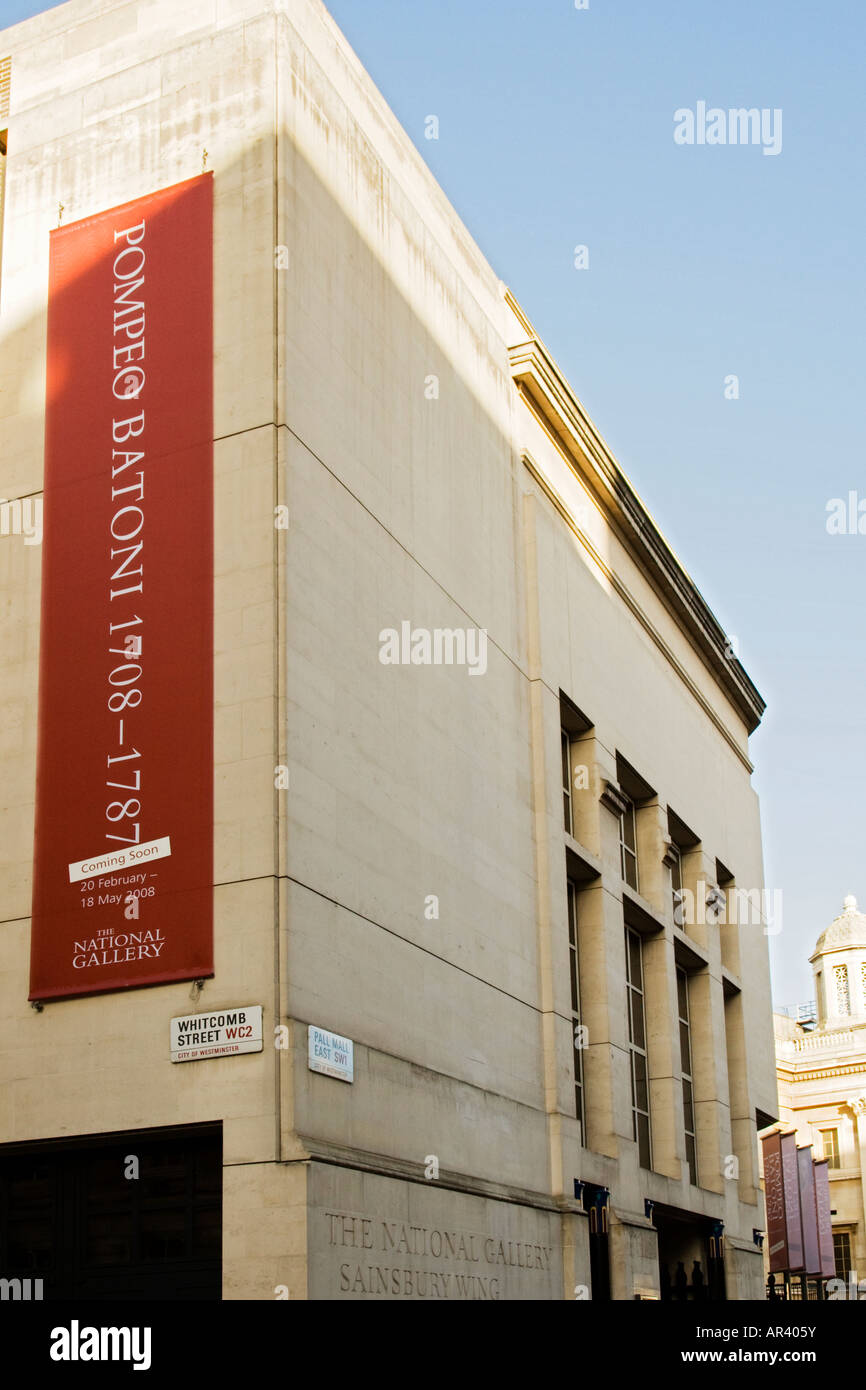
<point x="217" y="1033"/>
<point x="330" y="1054"/>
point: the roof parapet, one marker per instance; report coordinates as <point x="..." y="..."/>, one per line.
<point x="549" y="394"/>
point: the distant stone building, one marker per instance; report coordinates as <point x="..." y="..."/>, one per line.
<point x="822" y="1078"/>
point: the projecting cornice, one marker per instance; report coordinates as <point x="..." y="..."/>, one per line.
<point x="793" y="1072"/>
<point x="549" y="396"/>
<point x="613" y="798"/>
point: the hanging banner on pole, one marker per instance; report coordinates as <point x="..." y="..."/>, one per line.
<point x="825" y="1223"/>
<point x="808" y="1210"/>
<point x="774" y="1198"/>
<point x="123" y="859"/>
<point x="791" y="1185"/>
<point x="782" y="1198"/>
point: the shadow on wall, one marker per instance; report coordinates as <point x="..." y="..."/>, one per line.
<point x="379" y="405"/>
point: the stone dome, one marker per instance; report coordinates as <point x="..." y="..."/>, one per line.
<point x="846" y="930"/>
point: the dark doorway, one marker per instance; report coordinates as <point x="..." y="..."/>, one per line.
<point x="691" y="1256"/>
<point x="117" y="1216"/>
<point x="596" y="1202"/>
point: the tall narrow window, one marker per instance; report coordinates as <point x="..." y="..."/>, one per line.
<point x="686" y="1068"/>
<point x="574" y="725"/>
<point x="576" y="1029"/>
<point x="822" y="995"/>
<point x="830" y="1139"/>
<point x="637" y="1046"/>
<point x="676" y="863"/>
<point x="2" y="187"/>
<point x="628" y="846"/>
<point x="842" y="1253"/>
<point x="5" y="79"/>
<point x="635" y="791"/>
<point x="843" y="995"/>
<point x="566" y="782"/>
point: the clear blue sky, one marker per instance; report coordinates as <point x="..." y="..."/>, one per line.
<point x="556" y="129"/>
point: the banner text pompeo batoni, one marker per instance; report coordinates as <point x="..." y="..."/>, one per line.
<point x="123" y="862"/>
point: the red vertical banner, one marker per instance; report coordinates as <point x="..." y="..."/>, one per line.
<point x="774" y="1198"/>
<point x="782" y="1198"/>
<point x="791" y="1188"/>
<point x="808" y="1210"/>
<point x="825" y="1224"/>
<point x="123" y="859"/>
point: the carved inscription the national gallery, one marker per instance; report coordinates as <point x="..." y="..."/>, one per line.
<point x="381" y="1257"/>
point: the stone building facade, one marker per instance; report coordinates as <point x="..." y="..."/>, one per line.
<point x="524" y="879"/>
<point x="822" y="1079"/>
